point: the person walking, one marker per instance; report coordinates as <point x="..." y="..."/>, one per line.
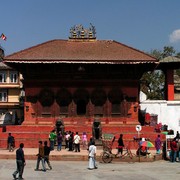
<point x="77" y="142"/>
<point x="40" y="157"/>
<point x="46" y="155"/>
<point x="120" y="144"/>
<point x="158" y="144"/>
<point x="10" y="141"/>
<point x="92" y="156"/>
<point x="20" y="162"/>
<point x="52" y="138"/>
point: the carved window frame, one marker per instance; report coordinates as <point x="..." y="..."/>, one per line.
<point x="3" y="77"/>
<point x="3" y="95"/>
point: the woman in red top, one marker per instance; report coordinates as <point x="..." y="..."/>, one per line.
<point x="174" y="149"/>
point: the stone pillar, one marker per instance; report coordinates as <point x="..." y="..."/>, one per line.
<point x="170" y="85"/>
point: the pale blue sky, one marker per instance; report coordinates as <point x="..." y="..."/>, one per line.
<point x="142" y="24"/>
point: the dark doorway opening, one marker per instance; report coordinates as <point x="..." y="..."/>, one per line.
<point x="97" y="130"/>
<point x="81" y="107"/>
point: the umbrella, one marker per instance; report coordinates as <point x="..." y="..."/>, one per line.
<point x="147" y="144"/>
<point x="164" y="132"/>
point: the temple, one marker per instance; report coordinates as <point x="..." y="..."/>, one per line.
<point x="81" y="84"/>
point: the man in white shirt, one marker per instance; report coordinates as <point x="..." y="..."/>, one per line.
<point x="77" y="142"/>
<point x="92" y="156"/>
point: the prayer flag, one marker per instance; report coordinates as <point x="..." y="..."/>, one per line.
<point x="3" y="37"/>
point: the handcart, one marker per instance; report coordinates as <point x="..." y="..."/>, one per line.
<point x="107" y="142"/>
<point x="107" y="155"/>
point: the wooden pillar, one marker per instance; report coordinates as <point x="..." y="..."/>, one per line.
<point x="170" y="84"/>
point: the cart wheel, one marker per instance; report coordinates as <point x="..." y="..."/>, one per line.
<point x="106" y="157"/>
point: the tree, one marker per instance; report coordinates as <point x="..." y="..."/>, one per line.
<point x="156" y="53"/>
<point x="152" y="84"/>
<point x="168" y="51"/>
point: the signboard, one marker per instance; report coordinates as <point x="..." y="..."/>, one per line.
<point x="138" y="128"/>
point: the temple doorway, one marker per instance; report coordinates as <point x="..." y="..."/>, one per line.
<point x="97" y="130"/>
<point x="81" y="107"/>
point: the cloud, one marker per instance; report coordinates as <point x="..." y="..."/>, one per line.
<point x="175" y="36"/>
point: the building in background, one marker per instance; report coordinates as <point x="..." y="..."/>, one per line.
<point x="11" y="110"/>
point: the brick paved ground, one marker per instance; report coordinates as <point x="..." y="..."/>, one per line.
<point x="77" y="170"/>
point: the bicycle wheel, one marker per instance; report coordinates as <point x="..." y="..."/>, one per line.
<point x="132" y="158"/>
<point x="106" y="157"/>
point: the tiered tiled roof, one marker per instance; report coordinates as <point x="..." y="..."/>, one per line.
<point x="81" y="51"/>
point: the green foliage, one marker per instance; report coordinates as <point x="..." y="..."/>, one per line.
<point x="156" y="53"/>
<point x="178" y="72"/>
<point x="178" y="55"/>
<point x="153" y="85"/>
<point x="168" y="51"/>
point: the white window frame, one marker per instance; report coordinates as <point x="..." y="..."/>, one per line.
<point x="3" y="74"/>
<point x="3" y="96"/>
<point x="13" y="77"/>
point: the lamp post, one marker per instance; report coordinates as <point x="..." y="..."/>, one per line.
<point x="138" y="129"/>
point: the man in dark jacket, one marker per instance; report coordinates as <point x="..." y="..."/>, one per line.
<point x="10" y="142"/>
<point x="46" y="154"/>
<point x="20" y="161"/>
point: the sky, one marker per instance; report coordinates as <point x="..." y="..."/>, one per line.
<point x="142" y="24"/>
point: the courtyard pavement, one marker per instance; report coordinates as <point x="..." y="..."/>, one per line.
<point x="72" y="165"/>
<point x="77" y="170"/>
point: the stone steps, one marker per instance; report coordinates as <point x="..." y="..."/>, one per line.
<point x="31" y="134"/>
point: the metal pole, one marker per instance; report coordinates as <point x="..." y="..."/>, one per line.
<point x="139" y="147"/>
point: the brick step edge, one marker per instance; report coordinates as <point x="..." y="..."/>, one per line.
<point x="76" y="157"/>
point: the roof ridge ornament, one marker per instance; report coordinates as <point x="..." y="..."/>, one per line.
<point x="79" y="32"/>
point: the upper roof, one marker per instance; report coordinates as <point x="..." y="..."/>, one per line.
<point x="80" y="51"/>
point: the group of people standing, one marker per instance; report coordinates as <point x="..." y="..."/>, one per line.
<point x="73" y="141"/>
<point x="55" y="137"/>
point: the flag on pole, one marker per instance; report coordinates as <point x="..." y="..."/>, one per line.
<point x="3" y="37"/>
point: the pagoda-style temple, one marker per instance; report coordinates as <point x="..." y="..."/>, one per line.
<point x="81" y="82"/>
